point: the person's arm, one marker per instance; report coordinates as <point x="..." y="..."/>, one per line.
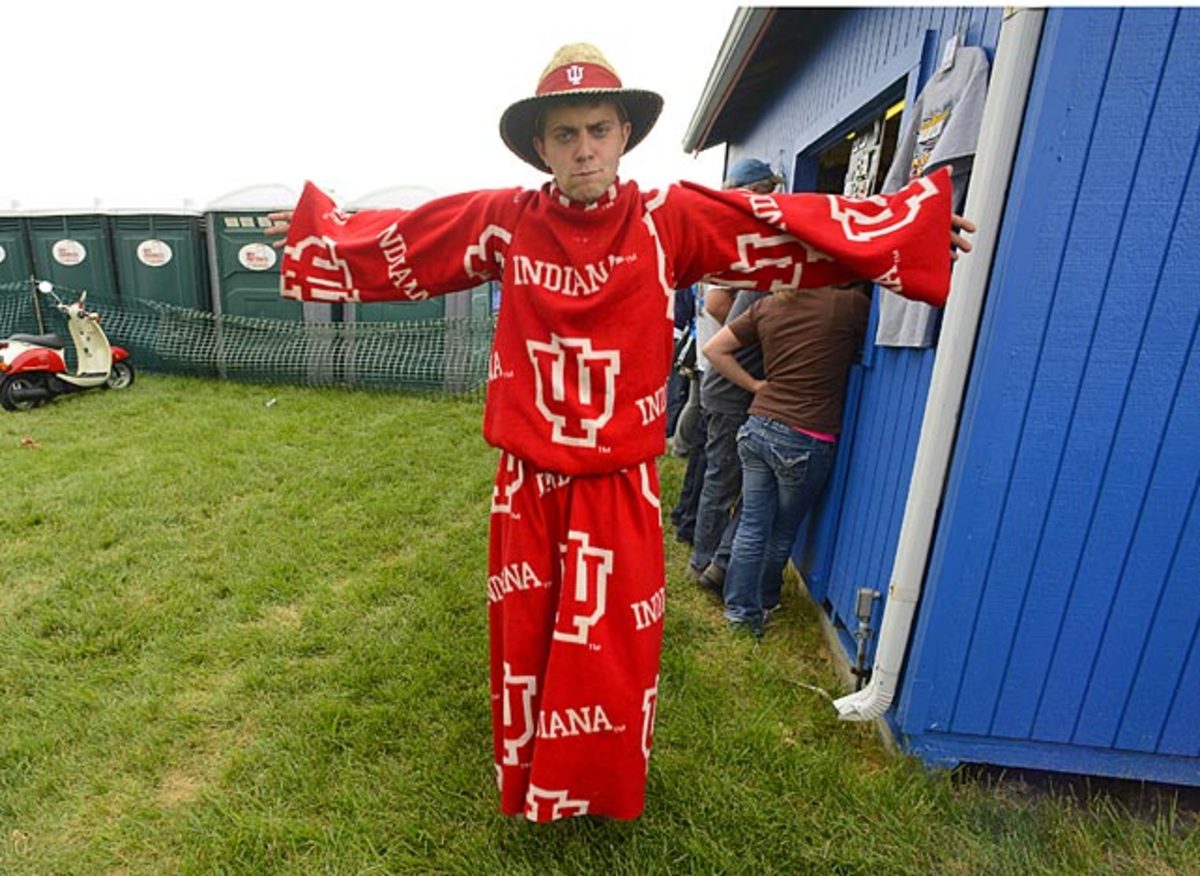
<point x="718" y="301"/>
<point x="904" y="241"/>
<point x="720" y="350"/>
<point x="441" y="246"/>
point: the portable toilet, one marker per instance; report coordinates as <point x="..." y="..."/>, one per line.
<point x="70" y="246"/>
<point x="243" y="266"/>
<point x="159" y="253"/>
<point x="17" y="309"/>
<point x="16" y="260"/>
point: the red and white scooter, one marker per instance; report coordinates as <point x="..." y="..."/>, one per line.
<point x="33" y="368"/>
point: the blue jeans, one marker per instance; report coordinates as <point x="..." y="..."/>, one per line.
<point x="783" y="472"/>
<point x="722" y="483"/>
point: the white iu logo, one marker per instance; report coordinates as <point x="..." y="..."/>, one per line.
<point x="575" y="74"/>
<point x="868" y="218"/>
<point x="581" y="603"/>
<point x="575" y="386"/>
<point x="518" y="714"/>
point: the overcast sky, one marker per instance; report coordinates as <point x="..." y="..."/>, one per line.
<point x="148" y="103"/>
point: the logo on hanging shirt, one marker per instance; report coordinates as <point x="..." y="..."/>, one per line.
<point x="313" y="271"/>
<point x="581" y="603"/>
<point x="864" y="219"/>
<point x="575" y="387"/>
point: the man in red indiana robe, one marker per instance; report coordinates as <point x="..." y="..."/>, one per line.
<point x="575" y="402"/>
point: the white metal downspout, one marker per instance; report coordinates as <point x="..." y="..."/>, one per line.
<point x="1012" y="70"/>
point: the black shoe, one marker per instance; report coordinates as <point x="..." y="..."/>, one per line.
<point x="714" y="588"/>
<point x="713" y="577"/>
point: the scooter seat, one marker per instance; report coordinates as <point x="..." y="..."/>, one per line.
<point x="40" y="340"/>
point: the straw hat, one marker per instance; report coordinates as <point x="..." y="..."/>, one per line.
<point x="577" y="69"/>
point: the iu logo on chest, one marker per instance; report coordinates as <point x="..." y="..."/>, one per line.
<point x="575" y="387"/>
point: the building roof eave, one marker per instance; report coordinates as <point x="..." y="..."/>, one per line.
<point x="745" y="32"/>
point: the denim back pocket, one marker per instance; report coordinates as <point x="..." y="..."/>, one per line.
<point x="790" y="463"/>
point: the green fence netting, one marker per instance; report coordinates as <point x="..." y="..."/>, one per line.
<point x="444" y="355"/>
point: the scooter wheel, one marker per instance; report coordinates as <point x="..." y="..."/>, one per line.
<point x="120" y="377"/>
<point x="14" y="393"/>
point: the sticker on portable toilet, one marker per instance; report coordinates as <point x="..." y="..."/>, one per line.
<point x="68" y="252"/>
<point x="3" y="255"/>
<point x="154" y="253"/>
<point x="257" y="257"/>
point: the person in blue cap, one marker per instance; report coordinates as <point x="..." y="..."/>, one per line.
<point x="753" y="175"/>
<point x="724" y="407"/>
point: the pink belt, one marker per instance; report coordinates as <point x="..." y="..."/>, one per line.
<point x="820" y="436"/>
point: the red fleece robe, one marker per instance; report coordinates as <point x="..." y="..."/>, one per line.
<point x="576" y="399"/>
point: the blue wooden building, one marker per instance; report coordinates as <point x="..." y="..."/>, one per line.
<point x="1023" y="493"/>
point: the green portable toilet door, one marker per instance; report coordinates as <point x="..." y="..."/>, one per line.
<point x="73" y="251"/>
<point x="248" y="268"/>
<point x="160" y="258"/>
<point x="15" y="264"/>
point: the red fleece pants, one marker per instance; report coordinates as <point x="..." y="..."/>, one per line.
<point x="575" y="606"/>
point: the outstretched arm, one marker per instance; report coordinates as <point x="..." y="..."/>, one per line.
<point x="441" y="246"/>
<point x="902" y="241"/>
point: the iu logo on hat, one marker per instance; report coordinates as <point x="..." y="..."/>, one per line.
<point x="575" y="74"/>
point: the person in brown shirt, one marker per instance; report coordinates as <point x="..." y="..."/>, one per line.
<point x="809" y="339"/>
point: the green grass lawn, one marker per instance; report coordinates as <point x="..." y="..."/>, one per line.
<point x="241" y="637"/>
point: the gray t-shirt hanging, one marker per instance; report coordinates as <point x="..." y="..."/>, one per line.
<point x="943" y="130"/>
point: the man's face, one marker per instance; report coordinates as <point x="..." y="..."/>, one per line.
<point x="582" y="146"/>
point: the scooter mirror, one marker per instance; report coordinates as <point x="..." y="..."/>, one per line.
<point x="45" y="286"/>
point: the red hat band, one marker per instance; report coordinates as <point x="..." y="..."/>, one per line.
<point x="577" y="76"/>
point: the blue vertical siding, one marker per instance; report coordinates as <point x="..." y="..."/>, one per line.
<point x="856" y="56"/>
<point x="1061" y="604"/>
<point x="1058" y="627"/>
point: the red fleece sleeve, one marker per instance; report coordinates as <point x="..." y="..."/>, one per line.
<point x="767" y="242"/>
<point x="444" y="245"/>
